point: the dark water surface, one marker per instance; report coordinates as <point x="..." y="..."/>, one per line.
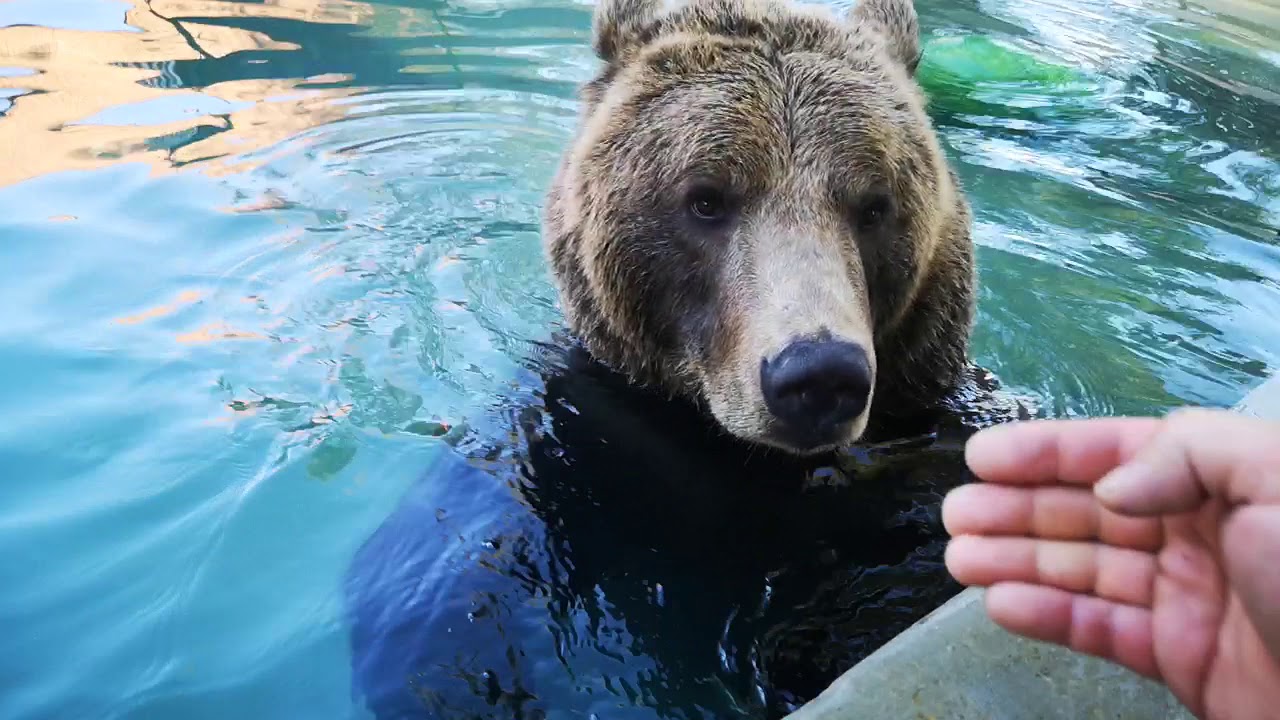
<point x="262" y="263"/>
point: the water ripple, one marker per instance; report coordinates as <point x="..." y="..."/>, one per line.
<point x="262" y="260"/>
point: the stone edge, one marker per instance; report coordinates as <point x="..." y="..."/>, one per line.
<point x="956" y="664"/>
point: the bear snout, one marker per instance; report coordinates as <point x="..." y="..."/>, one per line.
<point x="814" y="389"/>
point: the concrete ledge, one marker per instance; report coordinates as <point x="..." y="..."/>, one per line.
<point x="955" y="664"/>
<point x="1263" y="401"/>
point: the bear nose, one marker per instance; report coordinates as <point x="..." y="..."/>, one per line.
<point x="814" y="386"/>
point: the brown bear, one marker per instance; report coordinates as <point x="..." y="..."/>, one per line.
<point x="754" y="223"/>
<point x="755" y="213"/>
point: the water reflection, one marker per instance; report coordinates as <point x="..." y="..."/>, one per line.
<point x="265" y="259"/>
<point x="184" y="82"/>
<point x="95" y="96"/>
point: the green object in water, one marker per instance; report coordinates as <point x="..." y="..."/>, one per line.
<point x="975" y="59"/>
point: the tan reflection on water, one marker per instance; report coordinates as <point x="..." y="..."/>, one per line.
<point x="312" y="11"/>
<point x="185" y="297"/>
<point x="76" y="78"/>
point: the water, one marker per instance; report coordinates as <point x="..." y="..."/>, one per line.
<point x="263" y="261"/>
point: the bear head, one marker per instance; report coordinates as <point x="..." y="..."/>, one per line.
<point x="755" y="214"/>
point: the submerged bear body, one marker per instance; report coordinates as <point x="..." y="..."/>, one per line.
<point x="624" y="559"/>
<point x="765" y="264"/>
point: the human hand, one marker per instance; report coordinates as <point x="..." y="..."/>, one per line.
<point x="1151" y="542"/>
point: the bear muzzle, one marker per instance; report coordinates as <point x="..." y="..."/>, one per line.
<point x="814" y="390"/>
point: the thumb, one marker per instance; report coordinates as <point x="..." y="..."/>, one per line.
<point x="1197" y="454"/>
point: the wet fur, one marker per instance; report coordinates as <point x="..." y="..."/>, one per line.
<point x="802" y="116"/>
<point x="616" y="557"/>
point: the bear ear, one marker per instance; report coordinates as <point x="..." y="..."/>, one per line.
<point x="618" y="24"/>
<point x="896" y="21"/>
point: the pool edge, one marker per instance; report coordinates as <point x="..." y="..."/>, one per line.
<point x="955" y="664"/>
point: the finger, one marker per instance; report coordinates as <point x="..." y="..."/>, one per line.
<point x="1196" y="454"/>
<point x="1118" y="574"/>
<point x="1076" y="452"/>
<point x="1112" y="631"/>
<point x="1251" y="542"/>
<point x="1055" y="513"/>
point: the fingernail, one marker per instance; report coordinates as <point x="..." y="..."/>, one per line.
<point x="987" y="440"/>
<point x="1118" y="485"/>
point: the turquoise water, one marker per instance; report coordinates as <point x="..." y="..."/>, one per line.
<point x="259" y="259"/>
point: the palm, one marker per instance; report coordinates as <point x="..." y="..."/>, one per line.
<point x="1204" y="645"/>
<point x="1159" y="594"/>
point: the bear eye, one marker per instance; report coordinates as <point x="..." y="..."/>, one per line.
<point x="707" y="204"/>
<point x="873" y="212"/>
